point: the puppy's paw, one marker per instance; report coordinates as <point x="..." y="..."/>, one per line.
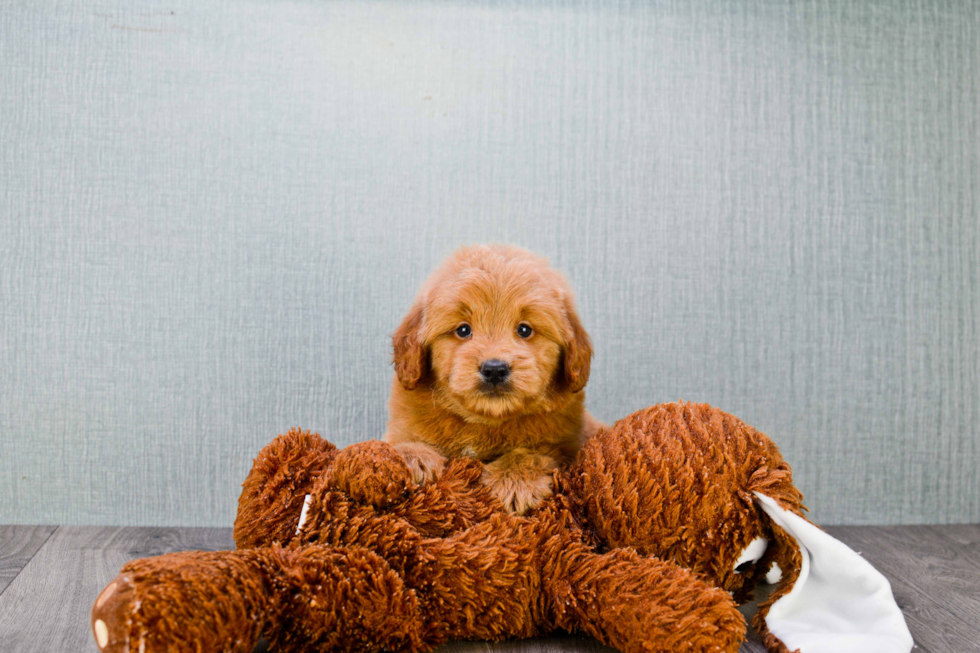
<point x="520" y="481"/>
<point x="424" y="462"/>
<point x="519" y="496"/>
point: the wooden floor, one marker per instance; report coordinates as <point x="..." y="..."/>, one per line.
<point x="49" y="577"/>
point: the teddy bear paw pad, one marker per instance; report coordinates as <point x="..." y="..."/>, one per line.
<point x="111" y="614"/>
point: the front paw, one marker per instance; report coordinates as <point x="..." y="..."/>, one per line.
<point x="519" y="496"/>
<point x="521" y="483"/>
<point x="424" y="462"/>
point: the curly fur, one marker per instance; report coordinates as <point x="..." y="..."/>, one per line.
<point x="636" y="547"/>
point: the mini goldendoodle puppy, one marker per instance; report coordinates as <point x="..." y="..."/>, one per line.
<point x="490" y="363"/>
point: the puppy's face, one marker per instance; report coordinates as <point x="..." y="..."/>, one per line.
<point x="495" y="346"/>
<point x="494" y="333"/>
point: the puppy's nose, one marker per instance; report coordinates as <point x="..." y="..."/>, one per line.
<point x="494" y="371"/>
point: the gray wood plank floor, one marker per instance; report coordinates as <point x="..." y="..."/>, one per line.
<point x="49" y="577"/>
<point x="18" y="544"/>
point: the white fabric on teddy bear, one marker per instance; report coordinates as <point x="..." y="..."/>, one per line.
<point x="839" y="603"/>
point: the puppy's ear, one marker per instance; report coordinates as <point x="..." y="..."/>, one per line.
<point x="410" y="354"/>
<point x="578" y="350"/>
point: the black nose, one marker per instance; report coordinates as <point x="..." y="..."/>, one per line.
<point x="495" y="371"/>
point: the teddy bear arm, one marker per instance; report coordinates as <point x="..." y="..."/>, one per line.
<point x="374" y="474"/>
<point x="275" y="490"/>
<point x="456" y="501"/>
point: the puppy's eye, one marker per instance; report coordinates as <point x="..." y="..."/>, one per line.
<point x="524" y="330"/>
<point x="464" y="330"/>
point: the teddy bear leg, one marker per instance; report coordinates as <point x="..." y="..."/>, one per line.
<point x="193" y="601"/>
<point x="275" y="490"/>
<point x="309" y="598"/>
<point x="346" y="599"/>
<point x="636" y="603"/>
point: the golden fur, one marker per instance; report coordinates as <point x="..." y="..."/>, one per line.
<point x="441" y="405"/>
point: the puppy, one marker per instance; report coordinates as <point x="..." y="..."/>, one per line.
<point x="490" y="363"/>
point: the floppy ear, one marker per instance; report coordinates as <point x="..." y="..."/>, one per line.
<point x="410" y="355"/>
<point x="828" y="597"/>
<point x="578" y="350"/>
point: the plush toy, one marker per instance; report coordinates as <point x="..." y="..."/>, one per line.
<point x="663" y="523"/>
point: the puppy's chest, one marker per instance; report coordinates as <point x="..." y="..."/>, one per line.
<point x="487" y="444"/>
<point x="484" y="449"/>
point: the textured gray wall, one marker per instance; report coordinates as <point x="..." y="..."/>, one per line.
<point x="214" y="213"/>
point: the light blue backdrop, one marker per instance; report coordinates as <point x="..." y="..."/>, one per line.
<point x="212" y="214"/>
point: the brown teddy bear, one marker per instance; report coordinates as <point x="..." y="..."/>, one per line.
<point x="662" y="524"/>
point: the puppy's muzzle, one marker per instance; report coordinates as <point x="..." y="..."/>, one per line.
<point x="494" y="371"/>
